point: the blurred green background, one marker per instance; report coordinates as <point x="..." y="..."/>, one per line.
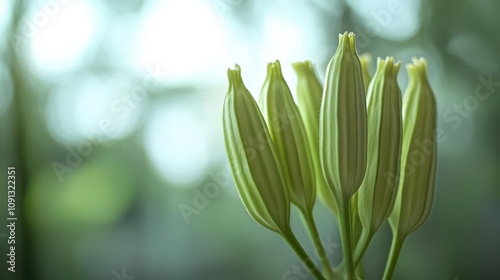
<point x="111" y="113"/>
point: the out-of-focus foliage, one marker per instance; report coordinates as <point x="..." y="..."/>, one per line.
<point x="111" y="109"/>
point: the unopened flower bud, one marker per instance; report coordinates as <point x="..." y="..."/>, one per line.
<point x="379" y="188"/>
<point x="309" y="94"/>
<point x="343" y="131"/>
<point x="418" y="154"/>
<point x="256" y="170"/>
<point x="289" y="137"/>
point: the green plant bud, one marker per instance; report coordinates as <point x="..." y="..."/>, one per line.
<point x="418" y="153"/>
<point x="378" y="191"/>
<point x="343" y="131"/>
<point x="366" y="60"/>
<point x="309" y="94"/>
<point x="254" y="162"/>
<point x="289" y="137"/>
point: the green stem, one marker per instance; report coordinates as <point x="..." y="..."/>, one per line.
<point x="314" y="234"/>
<point x="301" y="253"/>
<point x="364" y="241"/>
<point x="359" y="252"/>
<point x="345" y="235"/>
<point x="397" y="244"/>
<point x="360" y="272"/>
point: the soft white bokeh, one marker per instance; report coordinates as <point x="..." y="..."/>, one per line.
<point x="286" y="33"/>
<point x="92" y="107"/>
<point x="57" y="36"/>
<point x="184" y="37"/>
<point x="5" y="18"/>
<point x="175" y="140"/>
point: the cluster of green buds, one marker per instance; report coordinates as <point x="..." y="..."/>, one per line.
<point x="354" y="142"/>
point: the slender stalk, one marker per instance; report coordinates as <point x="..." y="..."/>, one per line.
<point x="314" y="234"/>
<point x="364" y="241"/>
<point x="345" y="235"/>
<point x="360" y="272"/>
<point x="397" y="244"/>
<point x="356" y="234"/>
<point x="359" y="252"/>
<point x="301" y="253"/>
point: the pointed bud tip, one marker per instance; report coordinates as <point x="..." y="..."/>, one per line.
<point x="277" y="67"/>
<point x="417" y="63"/>
<point x="417" y="69"/>
<point x="234" y="72"/>
<point x="234" y="75"/>
<point x="236" y="68"/>
<point x="303" y="67"/>
<point x="347" y="41"/>
<point x="365" y="58"/>
<point x="274" y="69"/>
<point x="389" y="65"/>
